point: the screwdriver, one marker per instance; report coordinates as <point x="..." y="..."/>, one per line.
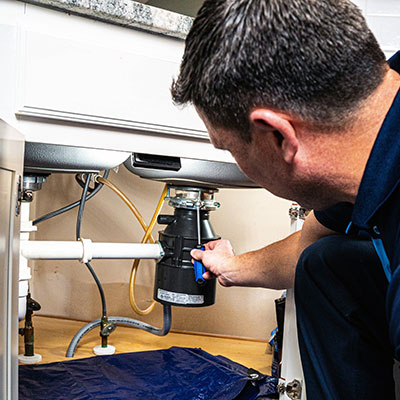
<point x="198" y="265"/>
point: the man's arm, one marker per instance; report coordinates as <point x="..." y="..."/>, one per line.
<point x="270" y="267"/>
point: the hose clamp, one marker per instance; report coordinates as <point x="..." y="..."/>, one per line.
<point x="87" y="250"/>
<point x="192" y="198"/>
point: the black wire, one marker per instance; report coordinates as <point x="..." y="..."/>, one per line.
<point x="81" y="183"/>
<point x="78" y="236"/>
<point x="62" y="210"/>
<point x="81" y="207"/>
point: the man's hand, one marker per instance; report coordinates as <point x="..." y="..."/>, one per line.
<point x="218" y="258"/>
<point x="271" y="267"/>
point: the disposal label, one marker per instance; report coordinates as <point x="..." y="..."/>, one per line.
<point x="180" y="298"/>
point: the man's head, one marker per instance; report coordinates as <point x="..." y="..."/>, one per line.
<point x="315" y="61"/>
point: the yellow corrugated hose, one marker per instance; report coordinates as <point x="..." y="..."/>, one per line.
<point x="146" y="238"/>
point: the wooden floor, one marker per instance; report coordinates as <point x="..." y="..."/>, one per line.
<point x="53" y="335"/>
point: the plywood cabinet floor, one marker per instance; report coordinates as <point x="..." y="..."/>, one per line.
<point x="52" y="336"/>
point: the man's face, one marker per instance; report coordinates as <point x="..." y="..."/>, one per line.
<point x="261" y="160"/>
<point x="257" y="160"/>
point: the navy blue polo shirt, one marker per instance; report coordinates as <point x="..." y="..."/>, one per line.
<point x="377" y="207"/>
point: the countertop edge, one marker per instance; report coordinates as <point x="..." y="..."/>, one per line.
<point x="126" y="13"/>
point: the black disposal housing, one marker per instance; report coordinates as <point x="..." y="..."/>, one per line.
<point x="175" y="280"/>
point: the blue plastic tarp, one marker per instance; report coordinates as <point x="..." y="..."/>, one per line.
<point x="175" y="373"/>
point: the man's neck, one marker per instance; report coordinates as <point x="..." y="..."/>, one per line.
<point x="351" y="154"/>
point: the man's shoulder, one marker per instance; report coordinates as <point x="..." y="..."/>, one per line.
<point x="336" y="217"/>
<point x="394" y="61"/>
<point x="388" y="221"/>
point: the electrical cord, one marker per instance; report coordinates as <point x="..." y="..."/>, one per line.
<point x="147" y="238"/>
<point x="81" y="183"/>
<point x="92" y="192"/>
<point x="78" y="236"/>
<point x="82" y="207"/>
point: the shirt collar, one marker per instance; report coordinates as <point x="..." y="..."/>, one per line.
<point x="382" y="173"/>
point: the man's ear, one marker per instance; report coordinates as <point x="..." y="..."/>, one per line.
<point x="278" y="128"/>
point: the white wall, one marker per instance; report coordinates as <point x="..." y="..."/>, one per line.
<point x="249" y="218"/>
<point x="383" y="17"/>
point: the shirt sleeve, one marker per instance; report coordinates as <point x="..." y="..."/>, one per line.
<point x="336" y="218"/>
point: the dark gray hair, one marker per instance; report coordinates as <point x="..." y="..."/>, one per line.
<point x="314" y="58"/>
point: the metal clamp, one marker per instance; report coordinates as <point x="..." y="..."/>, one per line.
<point x="292" y="389"/>
<point x="297" y="212"/>
<point x="192" y="198"/>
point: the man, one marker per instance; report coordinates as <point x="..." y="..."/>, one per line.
<point x="301" y="95"/>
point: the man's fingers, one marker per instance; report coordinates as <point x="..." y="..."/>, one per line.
<point x="211" y="245"/>
<point x="222" y="245"/>
<point x="208" y="275"/>
<point x="197" y="254"/>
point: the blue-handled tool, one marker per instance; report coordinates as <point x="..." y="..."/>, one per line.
<point x="198" y="265"/>
<point x="199" y="270"/>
